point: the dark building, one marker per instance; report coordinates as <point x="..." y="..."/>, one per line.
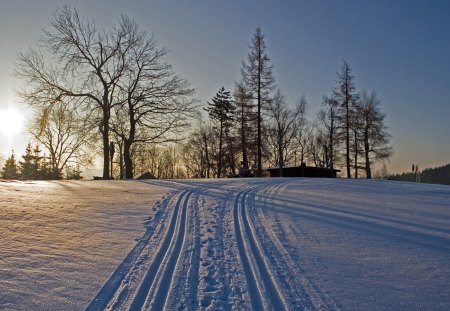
<point x="303" y="171"/>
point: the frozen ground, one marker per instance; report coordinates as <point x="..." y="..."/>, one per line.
<point x="235" y="244"/>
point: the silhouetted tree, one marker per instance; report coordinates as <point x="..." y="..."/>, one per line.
<point x="221" y="111"/>
<point x="328" y="126"/>
<point x="259" y="82"/>
<point x="283" y="127"/>
<point x="156" y="101"/>
<point x="245" y="117"/>
<point x="374" y="131"/>
<point x="88" y="64"/>
<point x="345" y="94"/>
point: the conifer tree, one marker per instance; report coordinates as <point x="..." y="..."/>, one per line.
<point x="345" y="93"/>
<point x="221" y="111"/>
<point x="10" y="169"/>
<point x="28" y="167"/>
<point x="258" y="80"/>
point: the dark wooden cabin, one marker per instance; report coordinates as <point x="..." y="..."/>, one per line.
<point x="303" y="171"/>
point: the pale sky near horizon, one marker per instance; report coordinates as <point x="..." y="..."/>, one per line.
<point x="400" y="49"/>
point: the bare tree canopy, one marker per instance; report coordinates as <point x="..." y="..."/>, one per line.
<point x="109" y="70"/>
<point x="374" y="131"/>
<point x="284" y="123"/>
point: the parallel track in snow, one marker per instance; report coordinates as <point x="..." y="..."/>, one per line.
<point x="155" y="286"/>
<point x="210" y="256"/>
<point x="142" y="280"/>
<point x="262" y="288"/>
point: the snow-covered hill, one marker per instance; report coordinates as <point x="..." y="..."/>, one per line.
<point x="224" y="244"/>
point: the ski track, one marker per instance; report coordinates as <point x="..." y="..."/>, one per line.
<point x="209" y="247"/>
<point x="304" y="297"/>
<point x="163" y="265"/>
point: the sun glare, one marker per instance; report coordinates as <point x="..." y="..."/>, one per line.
<point x="11" y="122"/>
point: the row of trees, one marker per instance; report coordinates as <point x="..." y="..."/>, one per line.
<point x="437" y="175"/>
<point x="257" y="127"/>
<point x="34" y="166"/>
<point x="115" y="87"/>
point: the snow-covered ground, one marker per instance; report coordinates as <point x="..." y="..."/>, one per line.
<point x="233" y="244"/>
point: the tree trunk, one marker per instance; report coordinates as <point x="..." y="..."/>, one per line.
<point x="280" y="153"/>
<point x="347" y="138"/>
<point x="259" y="113"/>
<point x="244" y="143"/>
<point x="206" y="157"/>
<point x="121" y="172"/>
<point x="366" y="152"/>
<point x="127" y="159"/>
<point x="219" y="166"/>
<point x="105" y="138"/>
<point x="331" y="144"/>
<point x="356" y="155"/>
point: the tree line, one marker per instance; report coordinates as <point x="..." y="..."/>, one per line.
<point x="437" y="175"/>
<point x="256" y="126"/>
<point x="114" y="88"/>
<point x="35" y="166"/>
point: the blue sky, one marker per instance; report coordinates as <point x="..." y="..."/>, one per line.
<point x="401" y="49"/>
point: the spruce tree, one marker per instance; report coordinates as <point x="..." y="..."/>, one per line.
<point x="10" y="169"/>
<point x="221" y="111"/>
<point x="28" y="167"/>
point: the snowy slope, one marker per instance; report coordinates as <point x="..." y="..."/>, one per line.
<point x="236" y="244"/>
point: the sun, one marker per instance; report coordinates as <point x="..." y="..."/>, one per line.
<point x="11" y="122"/>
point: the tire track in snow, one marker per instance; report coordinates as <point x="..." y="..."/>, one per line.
<point x="262" y="288"/>
<point x="153" y="291"/>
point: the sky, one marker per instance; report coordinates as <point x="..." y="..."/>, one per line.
<point x="400" y="49"/>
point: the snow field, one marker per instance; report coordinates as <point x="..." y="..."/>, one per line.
<point x="60" y="241"/>
<point x="230" y="244"/>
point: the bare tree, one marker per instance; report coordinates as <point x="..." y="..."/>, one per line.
<point x="244" y="117"/>
<point x="318" y="149"/>
<point x="85" y="63"/>
<point x="258" y="80"/>
<point x="283" y="127"/>
<point x="305" y="134"/>
<point x="327" y="118"/>
<point x="156" y="101"/>
<point x="374" y="131"/>
<point x="199" y="150"/>
<point x="65" y="133"/>
<point x="111" y="71"/>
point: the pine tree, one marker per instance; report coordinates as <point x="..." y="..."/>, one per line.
<point x="258" y="80"/>
<point x="28" y="166"/>
<point x="221" y="111"/>
<point x="10" y="169"/>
